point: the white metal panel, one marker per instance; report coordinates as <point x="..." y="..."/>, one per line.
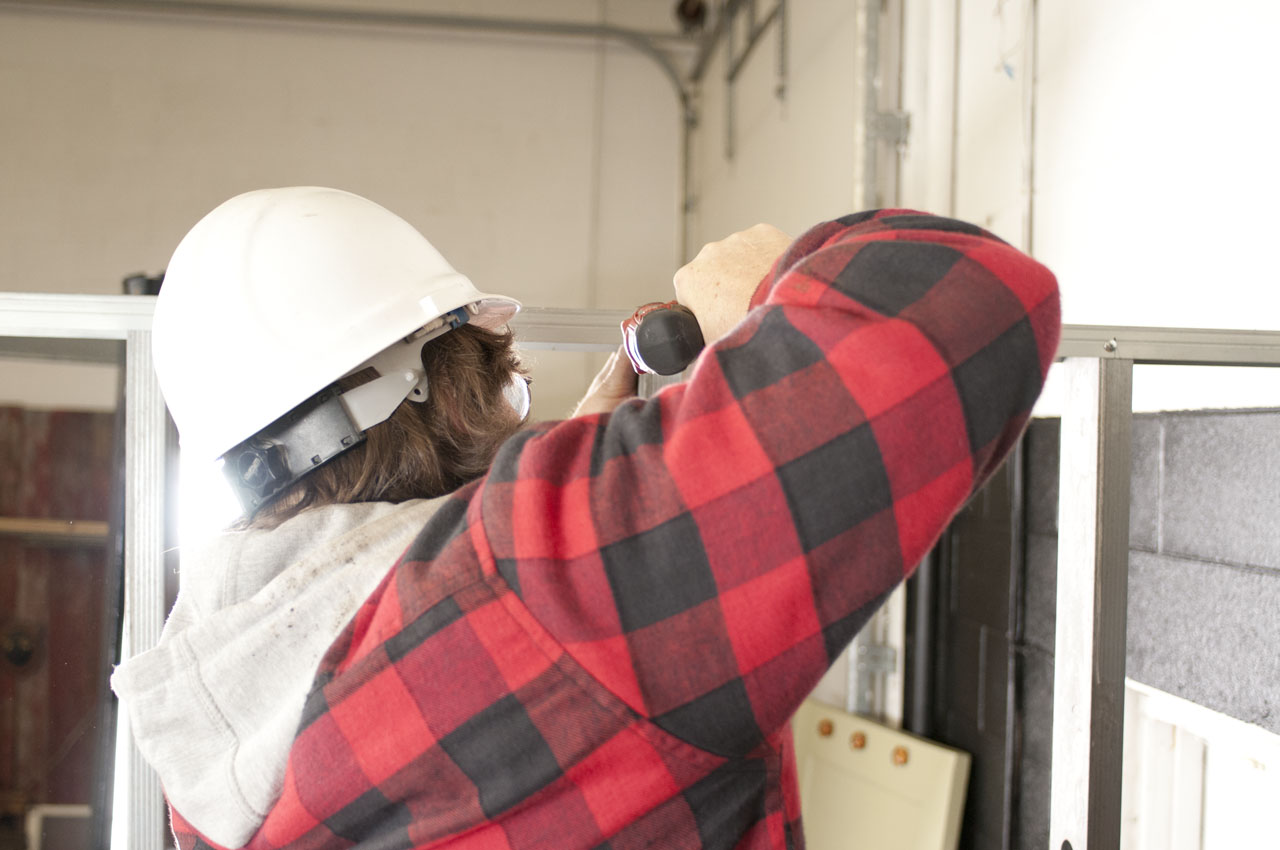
<point x="1163" y="796"/>
<point x="1240" y="801"/>
<point x="863" y="784"/>
<point x="1196" y="779"/>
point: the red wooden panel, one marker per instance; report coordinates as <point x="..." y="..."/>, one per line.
<point x="52" y="465"/>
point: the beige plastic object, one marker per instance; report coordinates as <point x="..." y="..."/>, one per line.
<point x="864" y="785"/>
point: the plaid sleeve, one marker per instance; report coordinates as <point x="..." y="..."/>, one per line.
<point x="706" y="554"/>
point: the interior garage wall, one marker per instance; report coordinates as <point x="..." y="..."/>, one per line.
<point x="544" y="168"/>
<point x="795" y="157"/>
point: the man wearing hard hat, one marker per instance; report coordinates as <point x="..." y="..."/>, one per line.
<point x="438" y="626"/>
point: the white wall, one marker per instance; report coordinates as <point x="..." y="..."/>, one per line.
<point x="1157" y="176"/>
<point x="796" y="158"/>
<point x="543" y="168"/>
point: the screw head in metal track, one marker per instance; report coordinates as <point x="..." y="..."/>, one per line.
<point x="858" y="741"/>
<point x="826" y="727"/>
<point x="1110" y="345"/>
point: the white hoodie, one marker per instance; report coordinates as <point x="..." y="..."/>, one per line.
<point x="214" y="707"/>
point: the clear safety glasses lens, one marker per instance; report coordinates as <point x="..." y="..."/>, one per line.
<point x="517" y="395"/>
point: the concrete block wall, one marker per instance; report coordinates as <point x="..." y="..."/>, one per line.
<point x="1204" y="575"/>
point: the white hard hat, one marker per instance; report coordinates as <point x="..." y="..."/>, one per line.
<point x="278" y="293"/>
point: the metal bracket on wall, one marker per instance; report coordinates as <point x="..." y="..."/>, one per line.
<point x="872" y="663"/>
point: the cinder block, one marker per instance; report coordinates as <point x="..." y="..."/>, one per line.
<point x="1221" y="499"/>
<point x="1144" y="484"/>
<point x="1207" y="633"/>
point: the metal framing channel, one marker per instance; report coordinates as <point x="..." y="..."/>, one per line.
<point x="556" y="329"/>
<point x="1093" y="568"/>
<point x="1172" y="346"/>
<point x="144" y="461"/>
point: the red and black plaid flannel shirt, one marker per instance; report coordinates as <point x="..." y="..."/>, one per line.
<point x="599" y="645"/>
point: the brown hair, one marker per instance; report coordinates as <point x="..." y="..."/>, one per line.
<point x="423" y="449"/>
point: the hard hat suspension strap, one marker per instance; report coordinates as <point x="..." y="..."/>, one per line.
<point x="315" y="431"/>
